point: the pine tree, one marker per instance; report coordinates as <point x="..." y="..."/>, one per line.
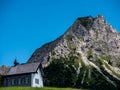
<point x="15" y="62"/>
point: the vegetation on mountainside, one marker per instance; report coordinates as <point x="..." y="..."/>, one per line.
<point x="89" y="53"/>
<point x="118" y="63"/>
<point x="62" y="73"/>
<point x="69" y="37"/>
<point x="109" y="68"/>
<point x="83" y="21"/>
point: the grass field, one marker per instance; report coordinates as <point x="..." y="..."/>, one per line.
<point x="30" y="88"/>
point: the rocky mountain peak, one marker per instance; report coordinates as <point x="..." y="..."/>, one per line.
<point x="85" y="32"/>
<point x="89" y="43"/>
<point x="86" y="21"/>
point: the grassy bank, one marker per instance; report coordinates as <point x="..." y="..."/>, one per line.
<point x="30" y="88"/>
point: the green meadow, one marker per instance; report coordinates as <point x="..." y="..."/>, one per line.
<point x="31" y="88"/>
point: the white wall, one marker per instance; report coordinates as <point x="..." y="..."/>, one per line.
<point x="36" y="76"/>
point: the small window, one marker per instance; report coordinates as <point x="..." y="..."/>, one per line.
<point x="19" y="81"/>
<point x="9" y="82"/>
<point x="26" y="80"/>
<point x="13" y="82"/>
<point x="37" y="81"/>
<point x="22" y="81"/>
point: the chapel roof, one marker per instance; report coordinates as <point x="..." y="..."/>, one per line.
<point x="24" y="68"/>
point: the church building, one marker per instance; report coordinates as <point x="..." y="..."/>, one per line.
<point x="29" y="74"/>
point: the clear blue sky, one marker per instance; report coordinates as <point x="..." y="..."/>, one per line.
<point x="25" y="25"/>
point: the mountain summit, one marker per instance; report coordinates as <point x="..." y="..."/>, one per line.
<point x="95" y="43"/>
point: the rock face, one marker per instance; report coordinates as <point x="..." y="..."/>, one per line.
<point x="91" y="39"/>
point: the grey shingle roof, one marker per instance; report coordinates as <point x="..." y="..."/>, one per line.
<point x="24" y="68"/>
